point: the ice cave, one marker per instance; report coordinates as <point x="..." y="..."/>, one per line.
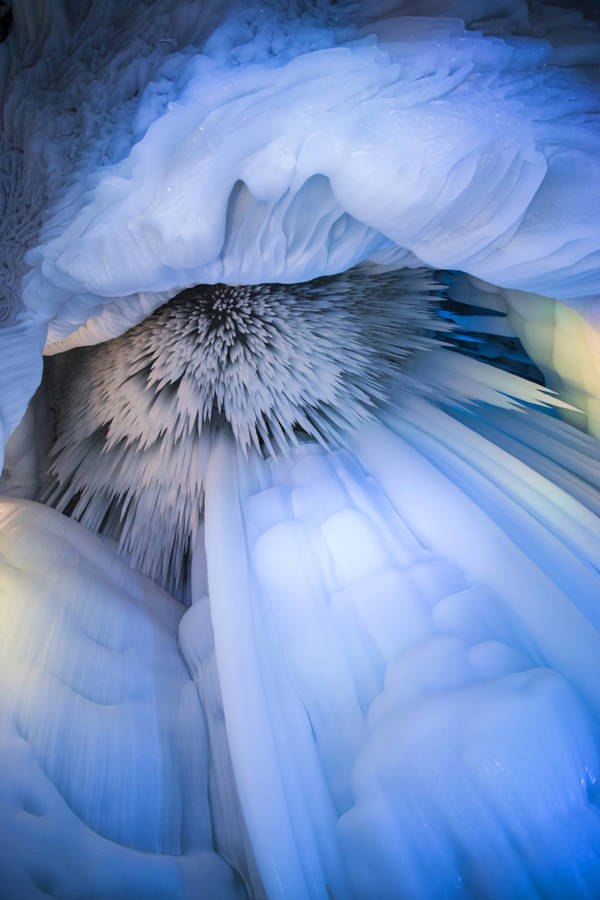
<point x="300" y="421"/>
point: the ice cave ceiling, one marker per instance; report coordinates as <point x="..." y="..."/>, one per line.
<point x="300" y="314"/>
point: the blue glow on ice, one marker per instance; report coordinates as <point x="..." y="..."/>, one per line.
<point x="387" y="682"/>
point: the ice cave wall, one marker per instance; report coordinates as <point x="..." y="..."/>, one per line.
<point x="160" y="145"/>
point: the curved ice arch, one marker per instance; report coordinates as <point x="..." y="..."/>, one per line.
<point x="72" y="104"/>
<point x="312" y="147"/>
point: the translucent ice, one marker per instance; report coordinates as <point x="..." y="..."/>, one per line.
<point x="161" y="145"/>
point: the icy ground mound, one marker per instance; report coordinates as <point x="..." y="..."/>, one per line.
<point x="104" y="753"/>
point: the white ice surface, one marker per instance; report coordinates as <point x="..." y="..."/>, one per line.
<point x="136" y="420"/>
<point x="485" y="679"/>
<point x="563" y="343"/>
<point x="20" y="371"/>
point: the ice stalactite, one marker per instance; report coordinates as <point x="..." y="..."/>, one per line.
<point x="136" y="417"/>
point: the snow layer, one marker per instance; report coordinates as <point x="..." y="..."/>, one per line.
<point x="104" y="755"/>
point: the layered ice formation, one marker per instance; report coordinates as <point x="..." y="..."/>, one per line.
<point x="318" y="284"/>
<point x="408" y="668"/>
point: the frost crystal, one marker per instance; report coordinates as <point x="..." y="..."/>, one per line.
<point x="138" y="414"/>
